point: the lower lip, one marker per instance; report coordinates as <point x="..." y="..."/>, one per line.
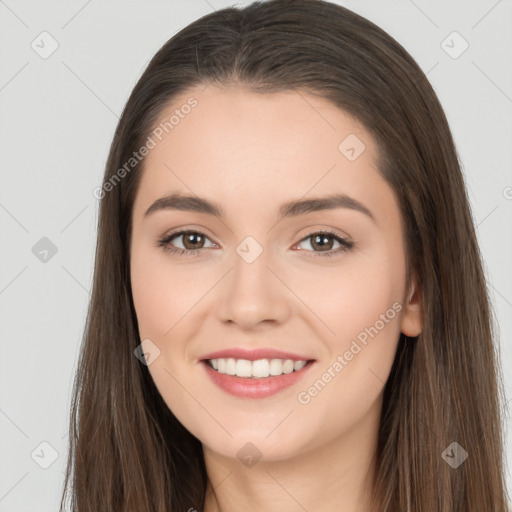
<point x="255" y="388"/>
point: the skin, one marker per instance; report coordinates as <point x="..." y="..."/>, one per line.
<point x="250" y="153"/>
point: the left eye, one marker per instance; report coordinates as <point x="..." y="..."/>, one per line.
<point x="321" y="241"/>
<point x="193" y="238"/>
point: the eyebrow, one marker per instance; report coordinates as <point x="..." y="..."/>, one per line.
<point x="178" y="201"/>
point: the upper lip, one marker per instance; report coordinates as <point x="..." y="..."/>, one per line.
<point x="253" y="354"/>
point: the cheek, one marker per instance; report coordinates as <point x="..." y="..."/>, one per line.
<point x="162" y="296"/>
<point x="365" y="315"/>
<point x="352" y="297"/>
<point x="373" y="312"/>
<point x="158" y="293"/>
<point x="362" y="310"/>
<point x="367" y="300"/>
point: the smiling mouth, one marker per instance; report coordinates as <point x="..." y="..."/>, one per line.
<point x="257" y="369"/>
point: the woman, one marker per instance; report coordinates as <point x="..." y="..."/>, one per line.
<point x="289" y="310"/>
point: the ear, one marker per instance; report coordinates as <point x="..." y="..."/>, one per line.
<point x="411" y="322"/>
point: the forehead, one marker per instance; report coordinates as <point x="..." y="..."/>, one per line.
<point x="276" y="145"/>
<point x="234" y="113"/>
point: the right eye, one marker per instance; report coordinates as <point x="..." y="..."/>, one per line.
<point x="189" y="237"/>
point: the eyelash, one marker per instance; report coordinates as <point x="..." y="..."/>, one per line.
<point x="165" y="241"/>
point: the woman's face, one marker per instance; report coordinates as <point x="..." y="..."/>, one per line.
<point x="293" y="254"/>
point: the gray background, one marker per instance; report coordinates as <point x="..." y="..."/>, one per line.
<point x="57" y="118"/>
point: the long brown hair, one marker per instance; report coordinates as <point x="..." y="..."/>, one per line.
<point x="127" y="451"/>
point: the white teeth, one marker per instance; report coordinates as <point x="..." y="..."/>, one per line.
<point x="288" y="366"/>
<point x="260" y="368"/>
<point x="299" y="364"/>
<point x="243" y="368"/>
<point x="231" y="366"/>
<point x="276" y="366"/>
<point x="256" y="369"/>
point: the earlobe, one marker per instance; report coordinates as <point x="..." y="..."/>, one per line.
<point x="411" y="322"/>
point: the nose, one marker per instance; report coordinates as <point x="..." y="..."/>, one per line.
<point x="254" y="293"/>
